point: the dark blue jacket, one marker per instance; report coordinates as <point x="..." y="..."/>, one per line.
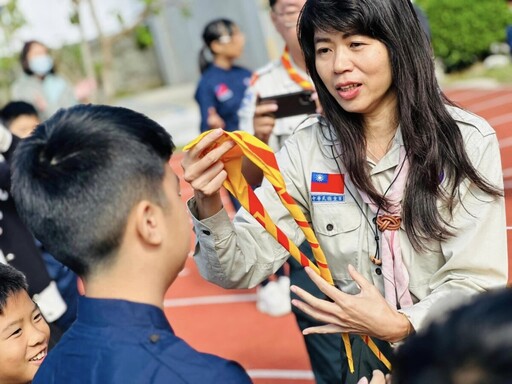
<point x="121" y="342"/>
<point x="224" y="90"/>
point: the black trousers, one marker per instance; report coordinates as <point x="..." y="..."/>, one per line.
<point x="326" y="351"/>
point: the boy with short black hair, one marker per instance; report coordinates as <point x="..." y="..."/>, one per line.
<point x="19" y="117"/>
<point x="95" y="186"/>
<point x="24" y="334"/>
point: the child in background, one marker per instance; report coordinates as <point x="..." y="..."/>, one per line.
<point x="20" y="118"/>
<point x="24" y="334"/>
<point x="222" y="85"/>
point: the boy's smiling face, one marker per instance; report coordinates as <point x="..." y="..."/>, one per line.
<point x="24" y="336"/>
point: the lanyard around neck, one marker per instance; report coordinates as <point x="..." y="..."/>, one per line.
<point x="292" y="72"/>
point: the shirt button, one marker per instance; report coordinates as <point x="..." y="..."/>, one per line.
<point x="1" y="230"/>
<point x="378" y="271"/>
<point x="206" y="232"/>
<point x="1" y="215"/>
<point x="329" y="227"/>
<point x="10" y="257"/>
<point x="154" y="338"/>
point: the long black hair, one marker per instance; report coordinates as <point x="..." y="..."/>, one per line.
<point x="214" y="31"/>
<point x="431" y="136"/>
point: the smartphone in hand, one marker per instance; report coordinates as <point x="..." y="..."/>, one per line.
<point x="292" y="104"/>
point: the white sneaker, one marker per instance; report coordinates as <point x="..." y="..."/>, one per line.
<point x="273" y="299"/>
<point x="284" y="285"/>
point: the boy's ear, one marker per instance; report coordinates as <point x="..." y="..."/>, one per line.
<point x="148" y="222"/>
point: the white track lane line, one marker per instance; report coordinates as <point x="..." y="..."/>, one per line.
<point x="507" y="172"/>
<point x="276" y="374"/>
<point x="469" y="94"/>
<point x="208" y="300"/>
<point x="501" y="119"/>
<point x="490" y="103"/>
<point x="505" y="143"/>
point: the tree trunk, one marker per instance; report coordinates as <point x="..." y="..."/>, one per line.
<point x="107" y="82"/>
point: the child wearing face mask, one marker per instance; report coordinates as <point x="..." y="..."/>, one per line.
<point x="39" y="84"/>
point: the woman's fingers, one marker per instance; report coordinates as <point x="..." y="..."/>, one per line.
<point x="202" y="167"/>
<point x="323" y="329"/>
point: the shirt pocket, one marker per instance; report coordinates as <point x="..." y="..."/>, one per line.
<point x="338" y="229"/>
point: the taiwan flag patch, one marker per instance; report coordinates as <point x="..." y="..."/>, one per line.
<point x="327" y="187"/>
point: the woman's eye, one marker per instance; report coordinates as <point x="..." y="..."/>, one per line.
<point x="321" y="51"/>
<point x="38" y="316"/>
<point x="356" y="44"/>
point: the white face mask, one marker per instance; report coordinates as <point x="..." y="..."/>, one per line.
<point x="41" y="65"/>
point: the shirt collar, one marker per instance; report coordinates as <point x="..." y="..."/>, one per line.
<point x="120" y="313"/>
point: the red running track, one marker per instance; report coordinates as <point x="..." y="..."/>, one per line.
<point x="226" y="322"/>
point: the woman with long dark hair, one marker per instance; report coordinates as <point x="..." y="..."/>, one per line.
<point x="403" y="189"/>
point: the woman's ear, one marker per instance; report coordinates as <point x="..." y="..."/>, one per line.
<point x="148" y="222"/>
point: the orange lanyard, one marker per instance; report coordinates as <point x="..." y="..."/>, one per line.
<point x="292" y="72"/>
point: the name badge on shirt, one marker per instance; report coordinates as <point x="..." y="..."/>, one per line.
<point x="327" y="188"/>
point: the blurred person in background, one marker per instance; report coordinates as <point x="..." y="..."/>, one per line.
<point x="41" y="85"/>
<point x="18" y="247"/>
<point x="471" y="344"/>
<point x="222" y="84"/>
<point x="422" y="17"/>
<point x="287" y="75"/>
<point x="21" y="118"/>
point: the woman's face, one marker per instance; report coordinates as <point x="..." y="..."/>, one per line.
<point x="36" y="50"/>
<point x="356" y="70"/>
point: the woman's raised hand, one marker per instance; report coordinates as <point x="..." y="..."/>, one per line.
<point x="204" y="171"/>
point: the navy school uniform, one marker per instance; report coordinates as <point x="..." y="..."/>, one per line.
<point x="223" y="89"/>
<point x="122" y="342"/>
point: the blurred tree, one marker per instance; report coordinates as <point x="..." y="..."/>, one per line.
<point x="11" y="20"/>
<point x="107" y="42"/>
<point x="463" y="30"/>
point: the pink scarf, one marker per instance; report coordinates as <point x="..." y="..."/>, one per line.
<point x="396" y="277"/>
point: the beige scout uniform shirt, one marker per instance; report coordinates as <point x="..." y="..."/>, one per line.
<point x="475" y="259"/>
<point x="272" y="80"/>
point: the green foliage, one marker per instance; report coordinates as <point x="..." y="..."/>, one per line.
<point x="11" y="20"/>
<point x="69" y="62"/>
<point x="143" y="36"/>
<point x="463" y="30"/>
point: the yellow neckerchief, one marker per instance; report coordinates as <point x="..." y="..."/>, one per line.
<point x="263" y="157"/>
<point x="292" y="72"/>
